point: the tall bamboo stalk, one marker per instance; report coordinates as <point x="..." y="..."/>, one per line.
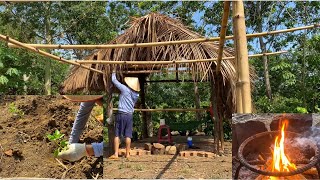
<point x="224" y="23"/>
<point x="165" y="43"/>
<point x="238" y="86"/>
<point x="243" y="56"/>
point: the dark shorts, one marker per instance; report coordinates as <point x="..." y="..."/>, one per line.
<point x="124" y="125"/>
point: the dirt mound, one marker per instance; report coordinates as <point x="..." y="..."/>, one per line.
<point x="23" y="130"/>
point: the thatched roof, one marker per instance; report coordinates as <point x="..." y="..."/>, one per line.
<point x="155" y="28"/>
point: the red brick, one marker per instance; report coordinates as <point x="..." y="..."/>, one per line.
<point x="200" y="154"/>
<point x="209" y="154"/>
<point x="187" y="154"/>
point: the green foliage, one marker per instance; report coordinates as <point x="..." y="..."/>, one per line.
<point x="62" y="144"/>
<point x="15" y="111"/>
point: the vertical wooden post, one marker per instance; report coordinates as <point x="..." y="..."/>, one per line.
<point x="197" y="103"/>
<point x="238" y="85"/>
<point x="106" y="106"/>
<point x="242" y="55"/>
<point x="143" y="106"/>
<point x="216" y="126"/>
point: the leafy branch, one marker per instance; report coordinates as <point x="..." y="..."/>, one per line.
<point x="62" y="144"/>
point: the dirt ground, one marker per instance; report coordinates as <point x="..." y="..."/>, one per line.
<point x="173" y="166"/>
<point x="32" y="151"/>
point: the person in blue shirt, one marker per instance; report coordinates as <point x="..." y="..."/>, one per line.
<point x="129" y="95"/>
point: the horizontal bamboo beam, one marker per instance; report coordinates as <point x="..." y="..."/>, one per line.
<point x="167" y="110"/>
<point x="151" y="71"/>
<point x="168" y="62"/>
<point x="165" y="43"/>
<point x="173" y="80"/>
<point x="30" y="48"/>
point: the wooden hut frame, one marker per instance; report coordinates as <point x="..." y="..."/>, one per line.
<point x="243" y="92"/>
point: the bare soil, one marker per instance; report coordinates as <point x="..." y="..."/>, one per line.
<point x="173" y="166"/>
<point x="32" y="151"/>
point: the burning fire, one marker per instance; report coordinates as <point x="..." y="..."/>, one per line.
<point x="280" y="161"/>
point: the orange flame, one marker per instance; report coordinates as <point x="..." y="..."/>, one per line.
<point x="280" y="161"/>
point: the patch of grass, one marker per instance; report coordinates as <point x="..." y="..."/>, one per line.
<point x="14" y="110"/>
<point x="124" y="165"/>
<point x="185" y="171"/>
<point x="139" y="167"/>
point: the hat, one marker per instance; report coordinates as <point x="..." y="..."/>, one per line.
<point x="133" y="83"/>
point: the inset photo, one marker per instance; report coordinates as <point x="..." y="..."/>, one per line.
<point x="276" y="146"/>
<point x="51" y="137"/>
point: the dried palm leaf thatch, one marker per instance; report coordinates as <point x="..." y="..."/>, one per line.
<point x="155" y="27"/>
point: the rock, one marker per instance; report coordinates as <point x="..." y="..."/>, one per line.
<point x="133" y="152"/>
<point x="9" y="152"/>
<point x="148" y="146"/>
<point x="17" y="153"/>
<point x="241" y="132"/>
<point x="158" y="151"/>
<point x="296" y="122"/>
<point x="172" y="150"/>
<point x="158" y="146"/>
<point x="52" y="123"/>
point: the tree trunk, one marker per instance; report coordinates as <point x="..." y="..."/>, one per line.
<point x="197" y="103"/>
<point x="264" y="58"/>
<point x="150" y="124"/>
<point x="216" y="125"/>
<point x="47" y="68"/>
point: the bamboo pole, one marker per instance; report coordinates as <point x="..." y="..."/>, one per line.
<point x="243" y="56"/>
<point x="151" y="71"/>
<point x="236" y="44"/>
<point x="224" y="24"/>
<point x="165" y="43"/>
<point x="175" y="81"/>
<point x="168" y="62"/>
<point x="8" y="39"/>
<point x="168" y="110"/>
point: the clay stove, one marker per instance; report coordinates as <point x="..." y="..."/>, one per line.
<point x="257" y="155"/>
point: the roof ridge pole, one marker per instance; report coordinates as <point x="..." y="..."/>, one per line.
<point x="242" y="53"/>
<point x="163" y="43"/>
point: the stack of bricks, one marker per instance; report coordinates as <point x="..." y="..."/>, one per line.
<point x="134" y="152"/>
<point x="197" y="153"/>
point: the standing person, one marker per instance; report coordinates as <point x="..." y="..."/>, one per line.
<point x="78" y="150"/>
<point x="124" y="119"/>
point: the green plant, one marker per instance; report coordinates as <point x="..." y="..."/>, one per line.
<point x="14" y="110"/>
<point x="62" y="144"/>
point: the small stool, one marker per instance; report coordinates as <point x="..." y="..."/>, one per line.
<point x="164" y="139"/>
